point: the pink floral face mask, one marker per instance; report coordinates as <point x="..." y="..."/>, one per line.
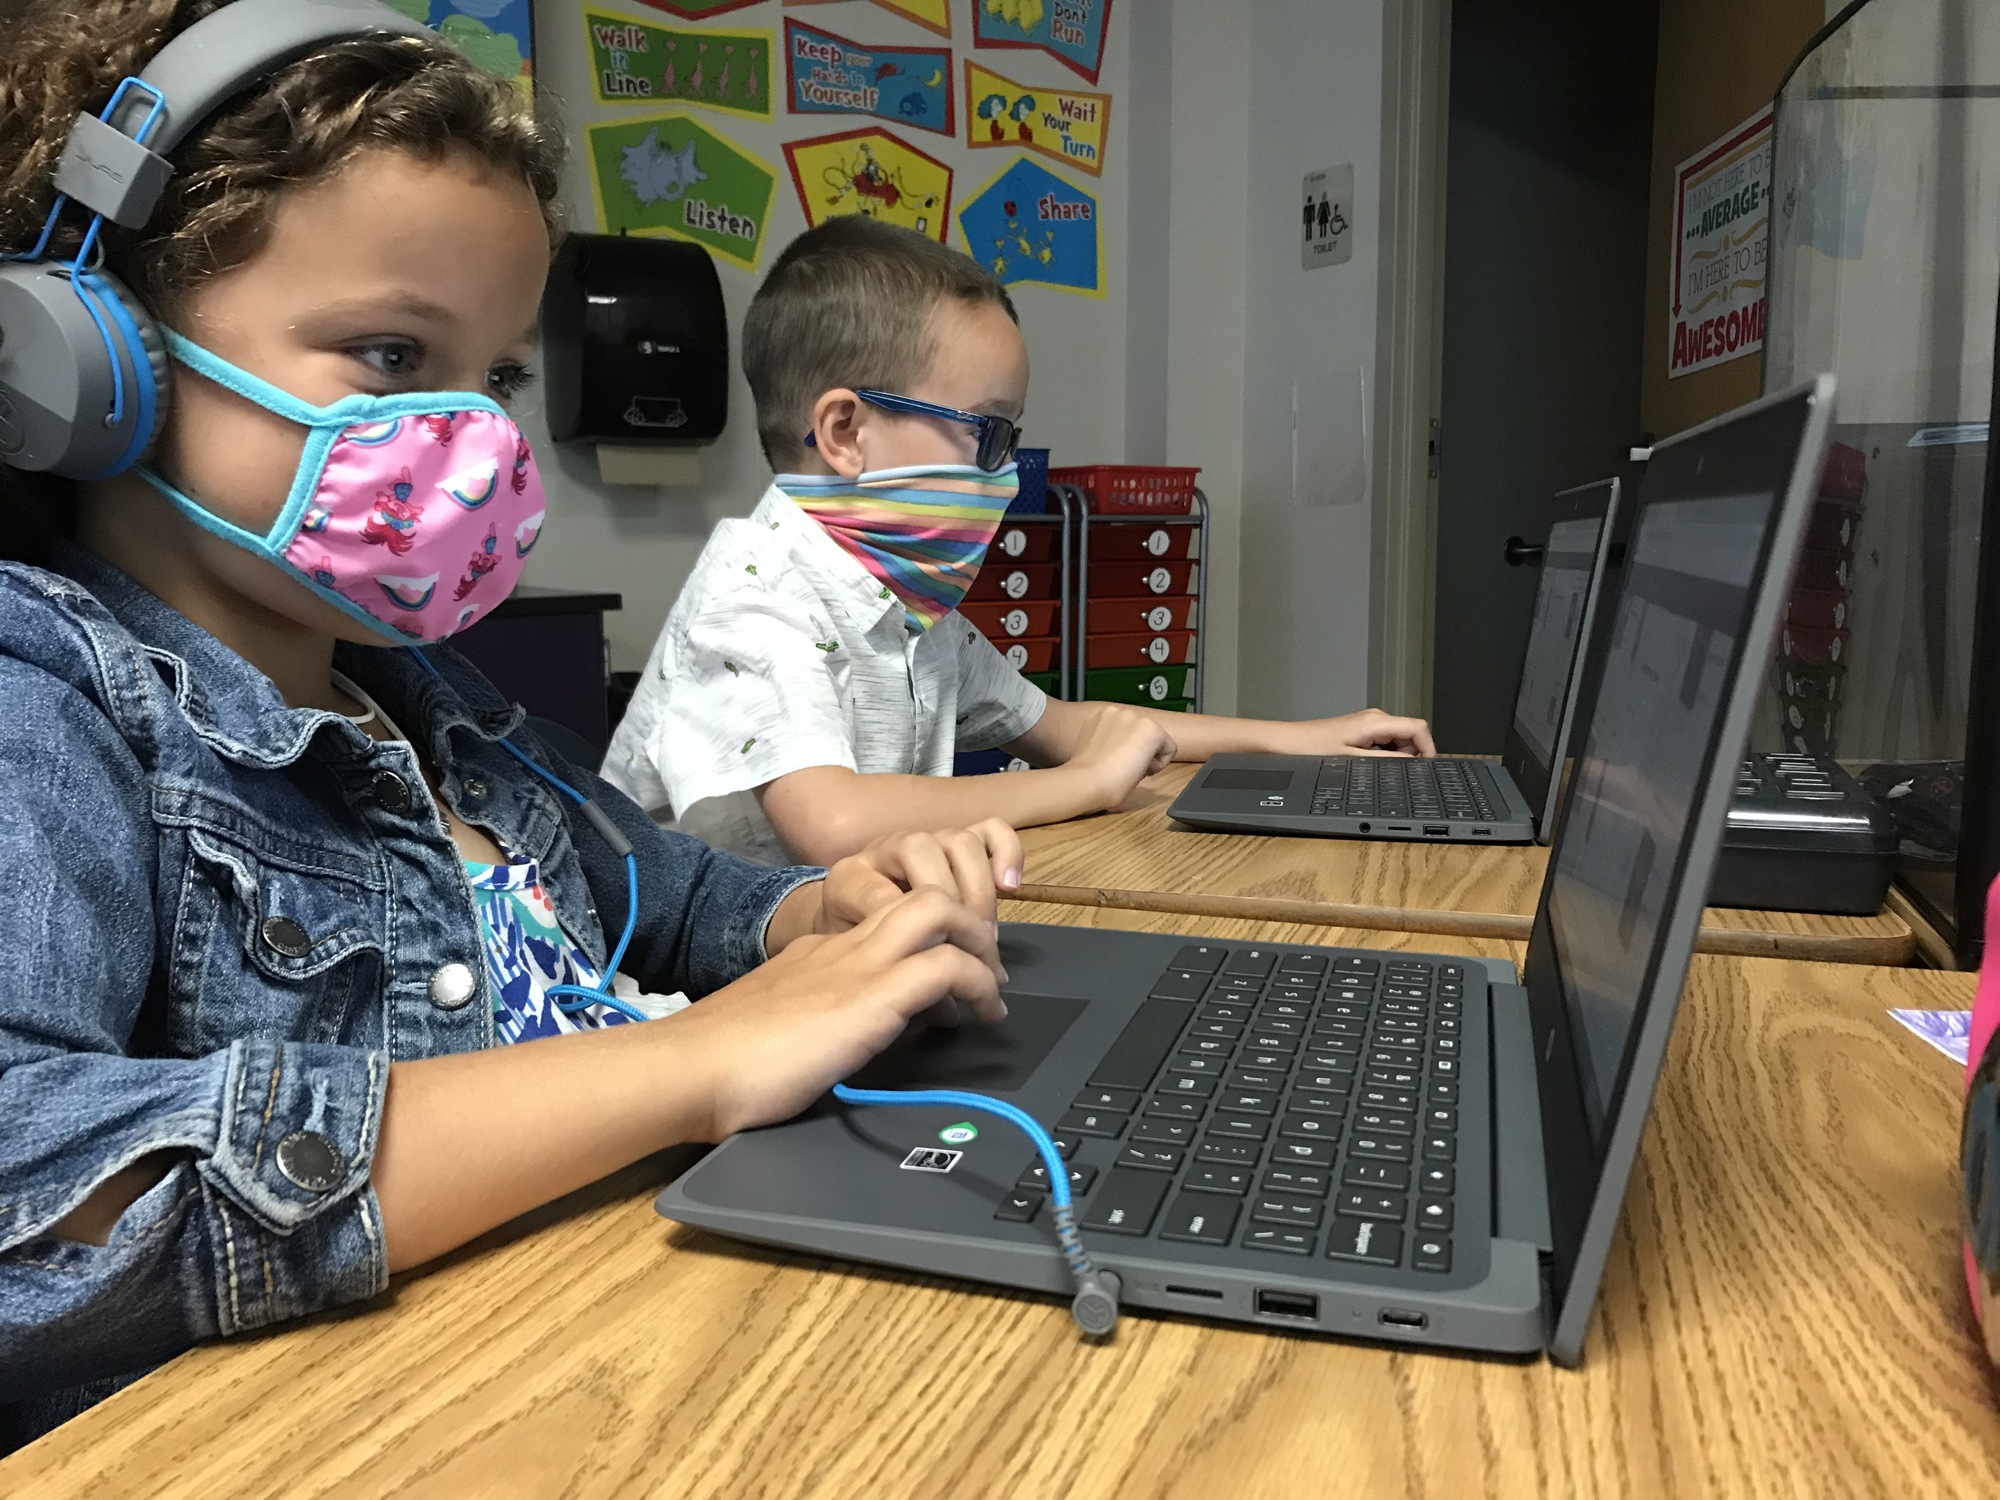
<point x="414" y="514"/>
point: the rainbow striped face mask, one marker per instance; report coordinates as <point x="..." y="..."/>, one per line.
<point x="923" y="530"/>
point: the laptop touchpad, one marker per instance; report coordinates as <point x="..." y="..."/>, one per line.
<point x="1232" y="780"/>
<point x="975" y="1055"/>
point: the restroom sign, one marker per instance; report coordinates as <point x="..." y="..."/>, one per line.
<point x="1326" y="218"/>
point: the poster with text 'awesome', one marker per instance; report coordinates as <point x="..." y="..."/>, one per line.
<point x="1066" y="124"/>
<point x="671" y="174"/>
<point x="1029" y="225"/>
<point x="1722" y="235"/>
<point x="826" y="74"/>
<point x="1071" y="31"/>
<point x="634" y="62"/>
<point x="871" y="172"/>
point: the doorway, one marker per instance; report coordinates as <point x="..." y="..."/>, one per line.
<point x="1549" y="156"/>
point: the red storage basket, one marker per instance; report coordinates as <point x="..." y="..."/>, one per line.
<point x="1132" y="616"/>
<point x="1029" y="656"/>
<point x="1167" y="648"/>
<point x="999" y="579"/>
<point x="1119" y="580"/>
<point x="1146" y="544"/>
<point x="1131" y="489"/>
<point x="1004" y="622"/>
<point x="1022" y="544"/>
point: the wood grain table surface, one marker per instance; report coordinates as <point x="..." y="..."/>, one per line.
<point x="1782" y="1315"/>
<point x="1137" y="859"/>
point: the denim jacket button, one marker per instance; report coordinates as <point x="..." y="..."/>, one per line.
<point x="475" y="789"/>
<point x="390" y="791"/>
<point x="311" y="1161"/>
<point x="451" y="986"/>
<point x="287" y="937"/>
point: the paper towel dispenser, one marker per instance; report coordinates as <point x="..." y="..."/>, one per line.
<point x="635" y="342"/>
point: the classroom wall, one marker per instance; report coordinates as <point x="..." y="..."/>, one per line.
<point x="643" y="541"/>
<point x="1308" y="346"/>
<point x="1720" y="62"/>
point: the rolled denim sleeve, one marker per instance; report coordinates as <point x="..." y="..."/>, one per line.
<point x="227" y="1240"/>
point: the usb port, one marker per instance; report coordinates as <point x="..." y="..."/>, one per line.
<point x="1396" y="1317"/>
<point x="1437" y="830"/>
<point x="1301" y="1305"/>
<point x="1482" y="833"/>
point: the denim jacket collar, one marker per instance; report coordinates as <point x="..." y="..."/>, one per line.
<point x="238" y="710"/>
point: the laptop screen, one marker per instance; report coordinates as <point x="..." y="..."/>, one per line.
<point x="1643" y="811"/>
<point x="1563" y="610"/>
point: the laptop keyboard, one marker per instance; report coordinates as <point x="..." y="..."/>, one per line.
<point x="1302" y="1104"/>
<point x="1380" y="786"/>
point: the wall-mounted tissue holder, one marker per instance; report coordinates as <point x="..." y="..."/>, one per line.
<point x="635" y="348"/>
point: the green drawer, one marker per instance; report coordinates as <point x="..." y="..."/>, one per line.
<point x="1157" y="686"/>
<point x="1046" y="681"/>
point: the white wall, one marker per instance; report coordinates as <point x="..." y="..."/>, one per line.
<point x="1219" y="108"/>
<point x="642" y="542"/>
<point x="1315" y="101"/>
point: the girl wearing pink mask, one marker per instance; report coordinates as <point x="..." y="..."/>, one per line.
<point x="280" y="892"/>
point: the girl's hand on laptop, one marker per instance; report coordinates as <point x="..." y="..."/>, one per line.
<point x="768" y="1045"/>
<point x="974" y="866"/>
<point x="1370" y="732"/>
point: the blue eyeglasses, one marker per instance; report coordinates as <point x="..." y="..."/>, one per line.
<point x="998" y="437"/>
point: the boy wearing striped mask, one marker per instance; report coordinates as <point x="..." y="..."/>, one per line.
<point x="814" y="680"/>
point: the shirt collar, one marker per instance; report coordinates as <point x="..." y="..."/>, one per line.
<point x="857" y="595"/>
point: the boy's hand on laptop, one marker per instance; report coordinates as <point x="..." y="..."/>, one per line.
<point x="1370" y="732"/>
<point x="768" y="1045"/>
<point x="1118" y="749"/>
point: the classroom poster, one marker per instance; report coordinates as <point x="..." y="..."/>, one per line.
<point x="1722" y="234"/>
<point x="1066" y="124"/>
<point x="634" y="62"/>
<point x="1029" y="225"/>
<point x="932" y="15"/>
<point x="498" y="35"/>
<point x="826" y="74"/>
<point x="697" y="10"/>
<point x="1070" y="31"/>
<point x="671" y="174"/>
<point x="871" y="172"/>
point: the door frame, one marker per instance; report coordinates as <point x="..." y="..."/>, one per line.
<point x="1416" y="99"/>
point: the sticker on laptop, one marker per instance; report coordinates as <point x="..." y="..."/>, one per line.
<point x="930" y="1159"/>
<point x="959" y="1134"/>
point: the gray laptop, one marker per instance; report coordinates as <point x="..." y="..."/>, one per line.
<point x="1447" y="801"/>
<point x="1408" y="1147"/>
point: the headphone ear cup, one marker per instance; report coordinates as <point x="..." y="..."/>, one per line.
<point x="147" y="366"/>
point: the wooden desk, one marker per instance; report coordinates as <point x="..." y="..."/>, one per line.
<point x="1138" y="860"/>
<point x="1775" y="1320"/>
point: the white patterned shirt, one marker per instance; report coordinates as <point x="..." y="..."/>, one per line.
<point x="782" y="653"/>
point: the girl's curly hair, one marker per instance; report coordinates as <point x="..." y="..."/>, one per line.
<point x="64" y="57"/>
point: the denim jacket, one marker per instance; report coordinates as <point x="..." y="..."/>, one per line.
<point x="224" y="919"/>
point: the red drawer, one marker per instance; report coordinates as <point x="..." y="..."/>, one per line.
<point x="1845" y="476"/>
<point x="1131" y="616"/>
<point x="1832" y="526"/>
<point x="1817" y="609"/>
<point x="1024" y="544"/>
<point x="1037" y="654"/>
<point x="1004" y="622"/>
<point x="1824" y="568"/>
<point x="1142" y="543"/>
<point x="1000" y="579"/>
<point x="1145" y="650"/>
<point x="1812" y="648"/>
<point x="1135" y="580"/>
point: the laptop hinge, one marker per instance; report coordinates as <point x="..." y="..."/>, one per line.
<point x="1520" y="1172"/>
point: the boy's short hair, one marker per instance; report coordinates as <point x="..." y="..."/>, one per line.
<point x="848" y="304"/>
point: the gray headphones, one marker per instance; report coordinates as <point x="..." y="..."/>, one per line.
<point x="83" y="370"/>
